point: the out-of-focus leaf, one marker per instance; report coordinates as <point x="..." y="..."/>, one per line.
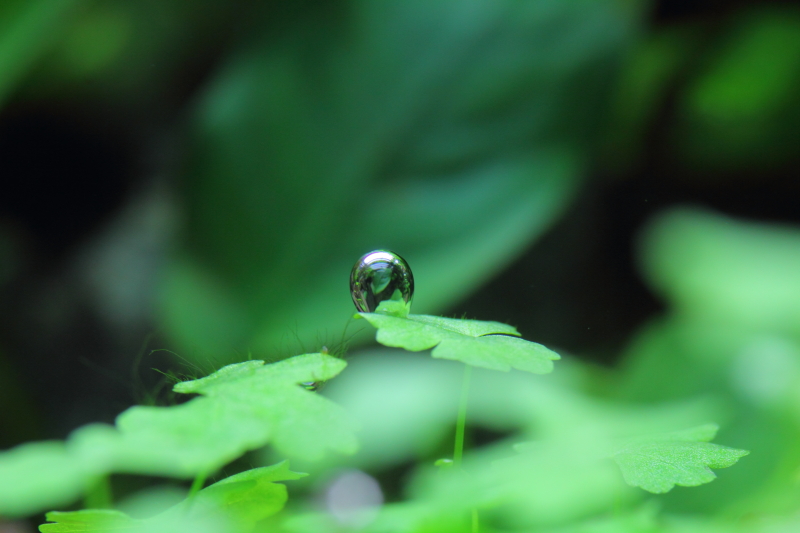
<point x="244" y="406"/>
<point x="302" y="423"/>
<point x="732" y="332"/>
<point x="553" y="483"/>
<point x="734" y="296"/>
<point x="451" y="132"/>
<point x="685" y="458"/>
<point x="719" y="269"/>
<point x="647" y="77"/>
<point x="234" y="504"/>
<point x="96" y="40"/>
<point x="403" y="517"/>
<point x="243" y="499"/>
<point x="475" y="342"/>
<point x="407" y="404"/>
<point x="558" y="479"/>
<point x="744" y="108"/>
<point x="27" y="29"/>
<point x="644" y="519"/>
<point x="37" y="475"/>
<point x="755" y="378"/>
<point x="90" y="520"/>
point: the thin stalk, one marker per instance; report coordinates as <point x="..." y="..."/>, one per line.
<point x="197" y="484"/>
<point x="98" y="494"/>
<point x="461" y="423"/>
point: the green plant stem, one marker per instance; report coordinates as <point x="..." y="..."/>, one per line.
<point x="197" y="484"/>
<point x="98" y="494"/>
<point x="461" y="425"/>
<point x="461" y="422"/>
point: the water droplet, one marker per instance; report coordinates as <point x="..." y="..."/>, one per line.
<point x="446" y="463"/>
<point x="380" y="275"/>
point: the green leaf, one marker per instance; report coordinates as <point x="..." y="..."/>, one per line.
<point x="244" y="406"/>
<point x="181" y="441"/>
<point x="741" y="111"/>
<point x="244" y="498"/>
<point x="734" y="272"/>
<point x="558" y="481"/>
<point x="642" y="88"/>
<point x="39" y="475"/>
<point x="303" y="423"/>
<point x="659" y="462"/>
<point x="27" y="29"/>
<point x="89" y="520"/>
<point x="490" y="345"/>
<point x="239" y="501"/>
<point x="110" y="521"/>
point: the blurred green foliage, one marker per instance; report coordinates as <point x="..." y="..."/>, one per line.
<point x="27" y="30"/>
<point x="456" y="146"/>
<point x="455" y="132"/>
<point x="733" y="332"/>
<point x="742" y="108"/>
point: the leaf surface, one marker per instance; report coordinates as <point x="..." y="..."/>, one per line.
<point x="235" y="503"/>
<point x="245" y="498"/>
<point x="242" y="407"/>
<point x="478" y="343"/>
<point x="37" y="475"/>
<point x="27" y="29"/>
<point x="89" y="520"/>
<point x="658" y="463"/>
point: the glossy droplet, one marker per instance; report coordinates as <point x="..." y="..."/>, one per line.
<point x="444" y="463"/>
<point x="380" y="275"/>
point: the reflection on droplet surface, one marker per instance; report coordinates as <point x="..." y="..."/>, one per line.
<point x="380" y="275"/>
